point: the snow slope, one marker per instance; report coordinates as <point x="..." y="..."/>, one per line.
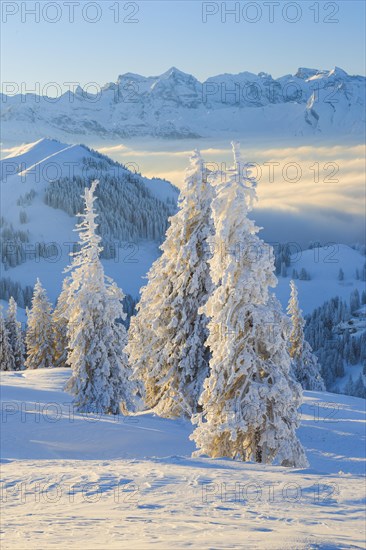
<point x="323" y="265"/>
<point x="88" y="482"/>
<point x="176" y="105"/>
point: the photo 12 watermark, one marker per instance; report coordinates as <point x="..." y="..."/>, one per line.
<point x="72" y="12"/>
<point x="270" y="12"/>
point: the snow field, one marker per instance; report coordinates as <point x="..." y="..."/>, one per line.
<point x="94" y="481"/>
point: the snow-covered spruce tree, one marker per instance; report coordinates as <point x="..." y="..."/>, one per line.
<point x="14" y="329"/>
<point x="59" y="324"/>
<point x="305" y="363"/>
<point x="167" y="336"/>
<point x="355" y="302"/>
<point x="250" y="398"/>
<point x="39" y="334"/>
<point x="7" y="361"/>
<point x="96" y="340"/>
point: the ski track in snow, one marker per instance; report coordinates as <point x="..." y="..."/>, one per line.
<point x="100" y="482"/>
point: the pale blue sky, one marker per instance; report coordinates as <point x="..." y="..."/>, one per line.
<point x="172" y="33"/>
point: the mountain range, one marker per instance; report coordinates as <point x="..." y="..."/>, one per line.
<point x="176" y="105"/>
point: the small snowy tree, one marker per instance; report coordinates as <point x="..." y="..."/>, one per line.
<point x="7" y="361"/>
<point x="96" y="340"/>
<point x="39" y="334"/>
<point x="304" y="275"/>
<point x="305" y="363"/>
<point x="14" y="329"/>
<point x="355" y="302"/>
<point x="250" y="399"/>
<point x="167" y="336"/>
<point x="340" y="275"/>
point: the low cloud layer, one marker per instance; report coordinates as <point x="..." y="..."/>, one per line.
<point x="310" y="192"/>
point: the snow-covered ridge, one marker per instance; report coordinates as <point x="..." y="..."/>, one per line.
<point x="41" y="187"/>
<point x="177" y="105"/>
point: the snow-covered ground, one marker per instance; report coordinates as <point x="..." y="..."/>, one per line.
<point x="130" y="482"/>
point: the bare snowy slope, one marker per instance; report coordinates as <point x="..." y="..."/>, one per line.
<point x="176" y="105"/>
<point x="131" y="481"/>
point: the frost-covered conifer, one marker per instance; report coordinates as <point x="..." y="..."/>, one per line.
<point x="250" y="399"/>
<point x="305" y="363"/>
<point x="59" y="322"/>
<point x="39" y="335"/>
<point x="96" y="340"/>
<point x="167" y="336"/>
<point x="355" y="302"/>
<point x="14" y="329"/>
<point x="7" y="361"/>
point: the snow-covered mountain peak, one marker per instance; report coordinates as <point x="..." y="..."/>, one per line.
<point x="338" y="72"/>
<point x="31" y="153"/>
<point x="264" y="75"/>
<point x="175" y="73"/>
<point x="306" y="73"/>
<point x="133" y="76"/>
